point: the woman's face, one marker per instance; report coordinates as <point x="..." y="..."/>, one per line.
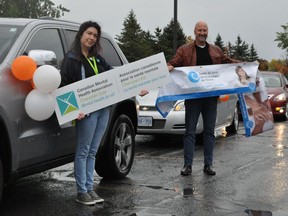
<point x="89" y="37"/>
<point x="241" y="73"/>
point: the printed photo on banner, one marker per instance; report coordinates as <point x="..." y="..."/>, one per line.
<point x="256" y="110"/>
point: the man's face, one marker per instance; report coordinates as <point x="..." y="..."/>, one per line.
<point x="201" y="33"/>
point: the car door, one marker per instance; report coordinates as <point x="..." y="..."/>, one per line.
<point x="45" y="140"/>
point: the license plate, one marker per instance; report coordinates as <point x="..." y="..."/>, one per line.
<point x="145" y="121"/>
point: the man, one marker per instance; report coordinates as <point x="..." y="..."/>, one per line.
<point x="199" y="53"/>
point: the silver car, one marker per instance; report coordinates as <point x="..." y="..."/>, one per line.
<point x="150" y="120"/>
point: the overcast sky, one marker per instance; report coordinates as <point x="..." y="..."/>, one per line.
<point x="255" y="21"/>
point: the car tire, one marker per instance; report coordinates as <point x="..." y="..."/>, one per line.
<point x="233" y="128"/>
<point x="1" y="180"/>
<point x="116" y="159"/>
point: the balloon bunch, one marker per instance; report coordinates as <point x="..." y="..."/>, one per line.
<point x="39" y="104"/>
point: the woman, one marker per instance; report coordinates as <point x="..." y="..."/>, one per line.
<point x="83" y="61"/>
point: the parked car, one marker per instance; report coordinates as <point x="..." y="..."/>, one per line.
<point x="277" y="90"/>
<point x="28" y="146"/>
<point x="150" y="120"/>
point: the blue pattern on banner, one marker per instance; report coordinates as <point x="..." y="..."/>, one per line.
<point x="247" y="123"/>
<point x="194" y="95"/>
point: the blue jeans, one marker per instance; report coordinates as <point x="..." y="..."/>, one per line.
<point x="193" y="108"/>
<point x="90" y="131"/>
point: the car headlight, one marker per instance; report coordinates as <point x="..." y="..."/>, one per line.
<point x="280" y="97"/>
<point x="179" y="106"/>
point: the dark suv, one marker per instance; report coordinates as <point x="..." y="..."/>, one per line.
<point x="28" y="146"/>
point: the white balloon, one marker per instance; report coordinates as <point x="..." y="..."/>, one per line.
<point x="46" y="78"/>
<point x="39" y="105"/>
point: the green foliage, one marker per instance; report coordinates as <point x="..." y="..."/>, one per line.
<point x="219" y="42"/>
<point x="253" y="54"/>
<point x="240" y="50"/>
<point x="167" y="37"/>
<point x="282" y="38"/>
<point x="30" y="9"/>
<point x="137" y="44"/>
<point x="134" y="42"/>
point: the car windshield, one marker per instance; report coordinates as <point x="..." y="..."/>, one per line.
<point x="8" y="34"/>
<point x="272" y="81"/>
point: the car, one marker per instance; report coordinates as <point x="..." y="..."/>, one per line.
<point x="150" y="120"/>
<point x="28" y="146"/>
<point x="277" y="89"/>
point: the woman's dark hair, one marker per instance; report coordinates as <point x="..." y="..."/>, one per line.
<point x="76" y="45"/>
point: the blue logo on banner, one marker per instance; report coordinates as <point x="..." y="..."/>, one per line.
<point x="249" y="124"/>
<point x="193" y="77"/>
<point x="252" y="86"/>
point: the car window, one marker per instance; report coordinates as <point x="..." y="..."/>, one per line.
<point x="8" y="35"/>
<point x="110" y="54"/>
<point x="272" y="81"/>
<point x="47" y="39"/>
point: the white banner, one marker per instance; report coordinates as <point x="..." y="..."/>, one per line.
<point x="206" y="81"/>
<point x="108" y="88"/>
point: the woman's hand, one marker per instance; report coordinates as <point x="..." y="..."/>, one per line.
<point x="80" y="116"/>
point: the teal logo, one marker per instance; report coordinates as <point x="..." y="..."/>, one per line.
<point x="67" y="103"/>
<point x="193" y="77"/>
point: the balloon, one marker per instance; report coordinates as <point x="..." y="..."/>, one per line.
<point x="39" y="105"/>
<point x="224" y="98"/>
<point x="47" y="78"/>
<point x="23" y="67"/>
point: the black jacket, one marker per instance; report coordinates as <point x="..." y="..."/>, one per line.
<point x="71" y="68"/>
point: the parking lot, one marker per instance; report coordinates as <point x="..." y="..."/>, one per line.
<point x="251" y="178"/>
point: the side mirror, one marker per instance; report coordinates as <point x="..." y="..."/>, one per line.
<point x="43" y="57"/>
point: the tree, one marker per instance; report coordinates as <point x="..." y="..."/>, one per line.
<point x="253" y="54"/>
<point x="31" y="9"/>
<point x="166" y="39"/>
<point x="263" y="66"/>
<point x="282" y="38"/>
<point x="240" y="50"/>
<point x="218" y="42"/>
<point x="133" y="40"/>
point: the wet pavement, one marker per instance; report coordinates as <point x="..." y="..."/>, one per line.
<point x="251" y="180"/>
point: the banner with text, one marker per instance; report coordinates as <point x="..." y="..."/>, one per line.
<point x="108" y="88"/>
<point x="206" y="81"/>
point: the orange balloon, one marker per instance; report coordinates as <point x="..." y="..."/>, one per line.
<point x="224" y="98"/>
<point x="23" y="68"/>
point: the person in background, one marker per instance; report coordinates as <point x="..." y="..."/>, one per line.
<point x="82" y="61"/>
<point x="197" y="53"/>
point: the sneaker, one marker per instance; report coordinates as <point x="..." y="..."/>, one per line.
<point x="85" y="198"/>
<point x="95" y="197"/>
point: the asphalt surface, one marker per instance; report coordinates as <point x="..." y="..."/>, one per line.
<point x="251" y="180"/>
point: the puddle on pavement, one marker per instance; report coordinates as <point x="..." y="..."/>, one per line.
<point x="279" y="146"/>
<point x="251" y="212"/>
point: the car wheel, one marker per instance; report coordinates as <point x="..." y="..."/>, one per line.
<point x="116" y="160"/>
<point x="1" y="180"/>
<point x="233" y="128"/>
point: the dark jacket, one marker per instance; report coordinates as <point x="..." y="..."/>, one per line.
<point x="71" y="68"/>
<point x="186" y="56"/>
